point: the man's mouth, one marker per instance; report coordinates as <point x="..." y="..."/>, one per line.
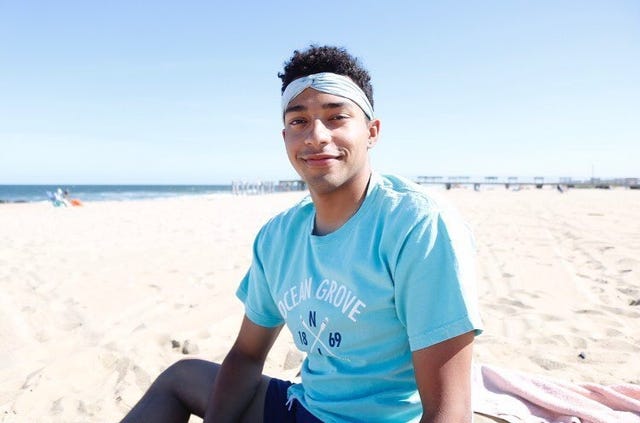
<point x="319" y="160"/>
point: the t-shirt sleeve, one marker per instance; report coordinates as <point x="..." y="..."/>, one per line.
<point x="435" y="281"/>
<point x="254" y="291"/>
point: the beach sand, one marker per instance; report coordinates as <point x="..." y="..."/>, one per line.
<point x="92" y="297"/>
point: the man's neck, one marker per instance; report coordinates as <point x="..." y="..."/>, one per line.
<point x="334" y="209"/>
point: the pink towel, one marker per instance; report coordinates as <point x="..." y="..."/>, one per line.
<point x="519" y="397"/>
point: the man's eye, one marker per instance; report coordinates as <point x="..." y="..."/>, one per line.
<point x="294" y="122"/>
<point x="339" y="117"/>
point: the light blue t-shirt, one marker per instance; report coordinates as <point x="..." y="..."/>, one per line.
<point x="397" y="277"/>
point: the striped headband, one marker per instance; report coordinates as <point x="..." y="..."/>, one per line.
<point x="330" y="83"/>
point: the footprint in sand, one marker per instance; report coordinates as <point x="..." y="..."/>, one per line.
<point x="621" y="312"/>
<point x="521" y="292"/>
<point x="514" y="303"/>
<point x="143" y="379"/>
<point x="613" y="333"/>
<point x="548" y="364"/>
<point x="56" y="407"/>
<point x="504" y="309"/>
<point x="627" y="262"/>
<point x="32" y="380"/>
<point x="589" y="311"/>
<point x="631" y="291"/>
<point x="556" y="340"/>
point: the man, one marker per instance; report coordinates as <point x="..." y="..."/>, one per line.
<point x="372" y="277"/>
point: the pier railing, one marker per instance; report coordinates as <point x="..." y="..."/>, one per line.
<point x="266" y="187"/>
<point x="537" y="181"/>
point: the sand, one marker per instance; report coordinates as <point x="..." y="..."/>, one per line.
<point x="92" y="297"/>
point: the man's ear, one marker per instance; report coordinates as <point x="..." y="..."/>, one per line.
<point x="283" y="134"/>
<point x="374" y="132"/>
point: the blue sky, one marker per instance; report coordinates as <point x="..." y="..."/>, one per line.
<point x="187" y="92"/>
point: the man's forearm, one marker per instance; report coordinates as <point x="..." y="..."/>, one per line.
<point x="235" y="386"/>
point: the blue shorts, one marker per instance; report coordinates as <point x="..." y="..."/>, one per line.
<point x="276" y="409"/>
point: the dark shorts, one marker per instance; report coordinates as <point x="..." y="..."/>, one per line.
<point x="276" y="409"/>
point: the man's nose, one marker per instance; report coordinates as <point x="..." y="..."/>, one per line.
<point x="318" y="133"/>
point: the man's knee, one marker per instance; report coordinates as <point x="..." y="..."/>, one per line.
<point x="184" y="372"/>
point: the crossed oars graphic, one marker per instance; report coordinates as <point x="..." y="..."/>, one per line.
<point x="316" y="337"/>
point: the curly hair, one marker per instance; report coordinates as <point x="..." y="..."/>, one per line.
<point x="316" y="59"/>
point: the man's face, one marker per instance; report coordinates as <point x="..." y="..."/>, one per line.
<point x="327" y="138"/>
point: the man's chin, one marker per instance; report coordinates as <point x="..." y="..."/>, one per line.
<point x="323" y="184"/>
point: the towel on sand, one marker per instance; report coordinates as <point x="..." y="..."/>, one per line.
<point x="519" y="397"/>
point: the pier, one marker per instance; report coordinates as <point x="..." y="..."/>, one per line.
<point x="537" y="181"/>
<point x="266" y="187"/>
<point x="509" y="182"/>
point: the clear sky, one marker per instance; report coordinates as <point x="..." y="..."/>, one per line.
<point x="186" y="91"/>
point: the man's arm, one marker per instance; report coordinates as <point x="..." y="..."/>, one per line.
<point x="443" y="375"/>
<point x="240" y="373"/>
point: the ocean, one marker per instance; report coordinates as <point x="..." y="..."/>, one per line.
<point x="34" y="193"/>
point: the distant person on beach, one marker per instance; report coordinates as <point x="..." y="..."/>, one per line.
<point x="58" y="198"/>
<point x="61" y="197"/>
<point x="374" y="279"/>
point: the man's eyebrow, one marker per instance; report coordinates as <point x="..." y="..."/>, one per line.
<point x="335" y="105"/>
<point x="298" y="108"/>
<point x="325" y="106"/>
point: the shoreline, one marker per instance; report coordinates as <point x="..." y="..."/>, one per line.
<point x="98" y="193"/>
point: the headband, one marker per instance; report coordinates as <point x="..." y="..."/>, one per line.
<point x="330" y="83"/>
